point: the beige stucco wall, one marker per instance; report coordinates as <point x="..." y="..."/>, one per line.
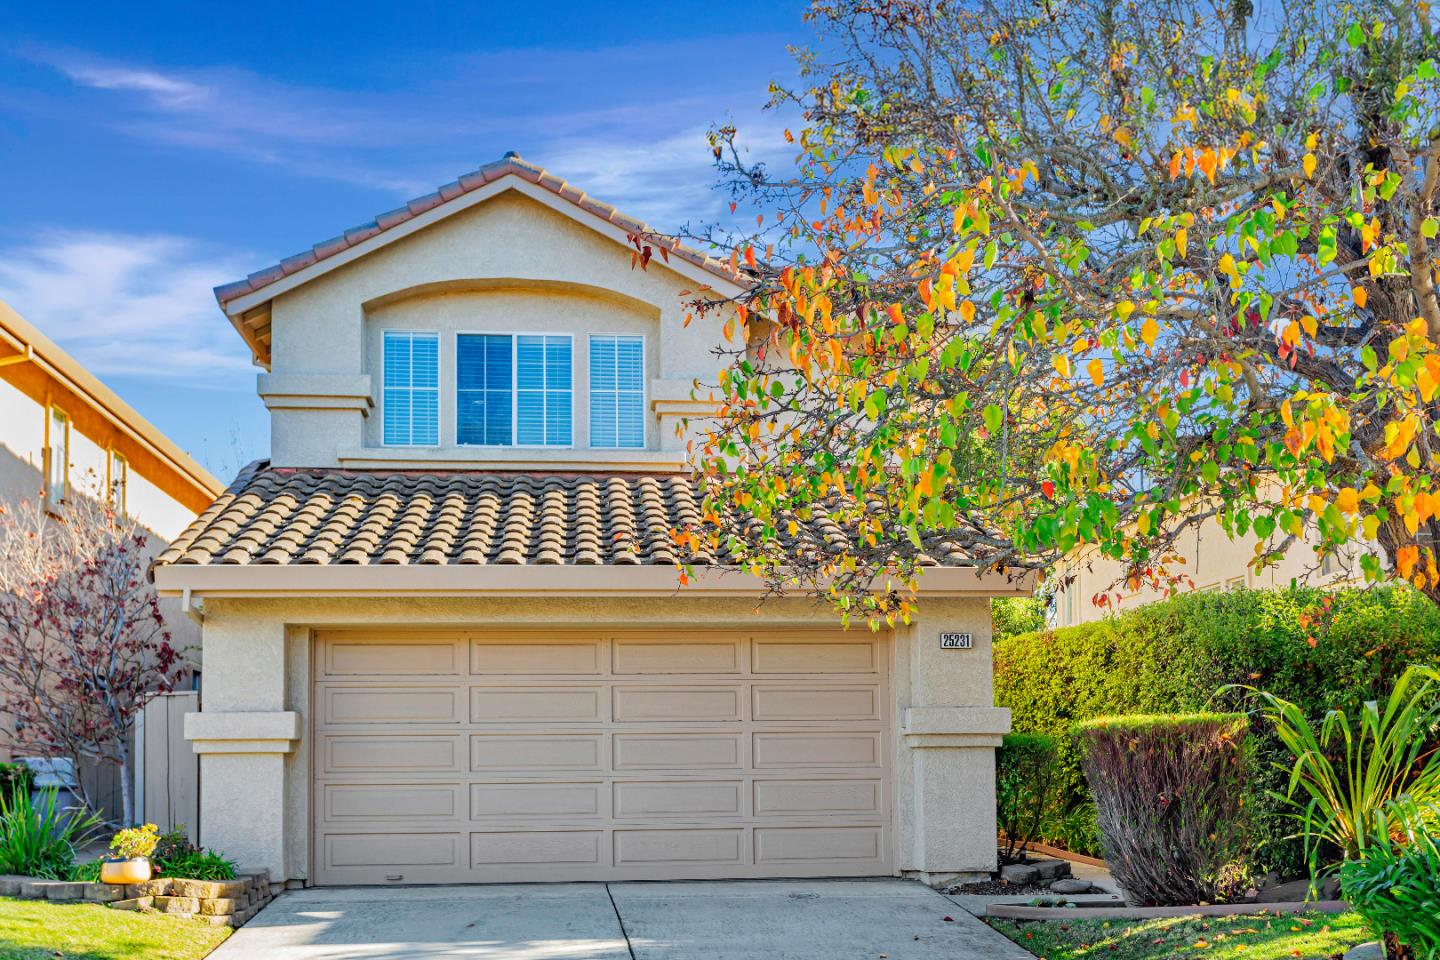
<point x="1211" y="561"/>
<point x="507" y="264"/>
<point x="255" y="793"/>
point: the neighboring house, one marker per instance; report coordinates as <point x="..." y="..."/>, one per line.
<point x="64" y="434"/>
<point x="444" y="636"/>
<point x="1211" y="561"/>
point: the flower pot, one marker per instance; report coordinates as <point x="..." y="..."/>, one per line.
<point x="116" y="870"/>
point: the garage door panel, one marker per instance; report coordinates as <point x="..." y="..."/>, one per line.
<point x="643" y="657"/>
<point x="390" y="801"/>
<point x="678" y="798"/>
<point x="676" y="704"/>
<point x="490" y="658"/>
<point x="780" y="751"/>
<point x="814" y="657"/>
<point x="342" y="755"/>
<point x="521" y="704"/>
<point x="492" y="753"/>
<point x="389" y="850"/>
<point x="816" y="703"/>
<point x="680" y="846"/>
<point x="599" y="755"/>
<point x="818" y="797"/>
<point x="639" y="751"/>
<point x="391" y="705"/>
<point x="549" y="800"/>
<point x="536" y="848"/>
<point x="775" y="845"/>
<point x="362" y="656"/>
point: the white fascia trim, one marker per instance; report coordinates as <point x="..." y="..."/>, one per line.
<point x="676" y="264"/>
<point x="473" y="580"/>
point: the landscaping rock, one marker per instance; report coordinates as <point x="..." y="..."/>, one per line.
<point x="134" y="903"/>
<point x="230" y="889"/>
<point x="1053" y="869"/>
<point x="1019" y="873"/>
<point x="65" y="891"/>
<point x="177" y="904"/>
<point x="104" y="892"/>
<point x="151" y="888"/>
<point x="217" y="907"/>
<point x="1366" y="951"/>
<point x="10" y="884"/>
<point x="36" y="889"/>
<point x="225" y="921"/>
<point x="1072" y="885"/>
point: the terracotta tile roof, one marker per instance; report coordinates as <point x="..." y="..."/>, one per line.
<point x="294" y="516"/>
<point x="509" y="165"/>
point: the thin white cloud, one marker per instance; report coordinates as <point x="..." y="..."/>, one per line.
<point x="168" y="91"/>
<point x="122" y="303"/>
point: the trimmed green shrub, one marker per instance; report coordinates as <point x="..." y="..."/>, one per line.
<point x="1396" y="885"/>
<point x="1024" y="789"/>
<point x="1174" y="656"/>
<point x="1014" y="615"/>
<point x="200" y="865"/>
<point x="85" y="872"/>
<point x="1170" y="799"/>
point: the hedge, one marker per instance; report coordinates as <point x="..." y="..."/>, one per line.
<point x="1319" y="649"/>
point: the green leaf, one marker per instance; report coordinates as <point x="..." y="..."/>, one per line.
<point x="1429" y="228"/>
<point x="1355" y="36"/>
<point x="992" y="416"/>
<point x="1367" y="357"/>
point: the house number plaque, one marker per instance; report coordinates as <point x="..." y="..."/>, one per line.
<point x="955" y="641"/>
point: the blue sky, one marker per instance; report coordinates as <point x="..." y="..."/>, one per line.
<point x="151" y="151"/>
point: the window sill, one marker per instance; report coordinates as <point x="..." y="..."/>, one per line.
<point x="576" y="459"/>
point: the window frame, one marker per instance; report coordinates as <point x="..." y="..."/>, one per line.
<point x="644" y="390"/>
<point x="439" y="391"/>
<point x="514" y="336"/>
<point x="118" y="496"/>
<point x="53" y="502"/>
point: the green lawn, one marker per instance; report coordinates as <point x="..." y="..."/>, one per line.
<point x="1314" y="936"/>
<point x="40" y="930"/>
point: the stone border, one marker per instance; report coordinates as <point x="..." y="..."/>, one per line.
<point x="222" y="903"/>
<point x="1007" y="911"/>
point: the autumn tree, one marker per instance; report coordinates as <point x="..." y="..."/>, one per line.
<point x="1052" y="276"/>
<point x="82" y="641"/>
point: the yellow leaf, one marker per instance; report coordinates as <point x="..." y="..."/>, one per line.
<point x="1309" y="164"/>
<point x="1359" y="295"/>
<point x="1291" y="335"/>
<point x="1096" y="369"/>
<point x="1143" y="524"/>
<point x="1227" y="267"/>
<point x="1370" y="525"/>
<point x="1310" y="324"/>
<point x="1062" y="365"/>
<point x="1124" y="308"/>
<point x="1149" y="330"/>
<point x="967" y="311"/>
<point x="1182" y="241"/>
<point x="1347" y="500"/>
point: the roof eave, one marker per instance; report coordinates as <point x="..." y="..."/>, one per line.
<point x="517" y="580"/>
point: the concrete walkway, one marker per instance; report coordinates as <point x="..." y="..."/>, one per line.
<point x="714" y="920"/>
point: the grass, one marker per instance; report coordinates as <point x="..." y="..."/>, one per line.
<point x="40" y="930"/>
<point x="1271" y="936"/>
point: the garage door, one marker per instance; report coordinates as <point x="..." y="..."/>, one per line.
<point x="501" y="756"/>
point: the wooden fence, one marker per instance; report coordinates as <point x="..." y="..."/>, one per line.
<point x="167" y="771"/>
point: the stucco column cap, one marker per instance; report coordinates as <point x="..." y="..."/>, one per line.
<point x="243" y="732"/>
<point x="932" y="727"/>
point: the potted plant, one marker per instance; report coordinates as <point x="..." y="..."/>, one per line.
<point x="129" y="860"/>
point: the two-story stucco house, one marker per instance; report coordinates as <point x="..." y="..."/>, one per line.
<point x="444" y="636"/>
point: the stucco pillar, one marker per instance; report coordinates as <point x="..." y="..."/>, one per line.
<point x="242" y="778"/>
<point x="949" y="729"/>
<point x="244" y="735"/>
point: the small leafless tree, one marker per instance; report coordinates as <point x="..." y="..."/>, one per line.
<point x="82" y="641"/>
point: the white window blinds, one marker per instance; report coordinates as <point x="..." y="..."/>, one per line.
<point x="617" y="391"/>
<point x="411" y="391"/>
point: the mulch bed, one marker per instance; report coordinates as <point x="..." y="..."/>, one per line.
<point x="999" y="888"/>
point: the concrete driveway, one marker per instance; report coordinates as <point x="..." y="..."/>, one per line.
<point x="713" y="920"/>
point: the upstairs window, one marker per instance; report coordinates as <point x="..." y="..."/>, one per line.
<point x="119" y="482"/>
<point x="411" y="390"/>
<point x="57" y="459"/>
<point x="617" y="391"/>
<point x="514" y="390"/>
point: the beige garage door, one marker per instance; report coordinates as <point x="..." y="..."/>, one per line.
<point x="503" y="756"/>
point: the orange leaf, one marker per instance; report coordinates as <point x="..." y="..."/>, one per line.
<point x="1359" y="295"/>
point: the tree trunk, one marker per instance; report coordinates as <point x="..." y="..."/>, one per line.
<point x="127" y="785"/>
